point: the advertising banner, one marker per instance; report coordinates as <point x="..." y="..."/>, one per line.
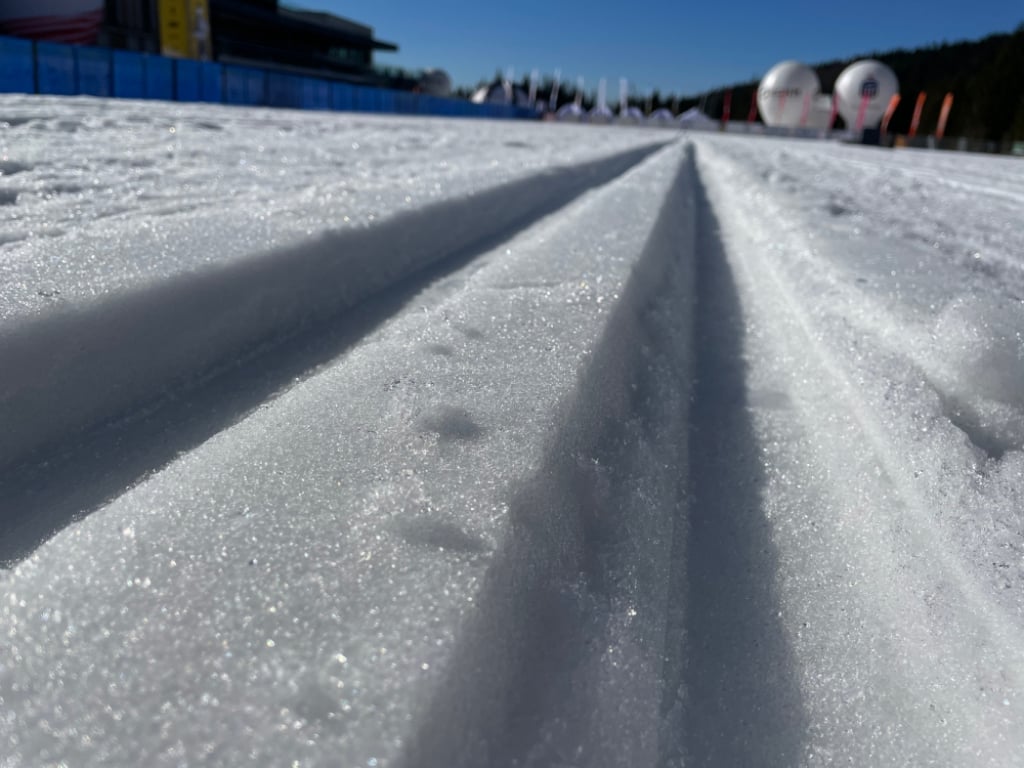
<point x="185" y="29"/>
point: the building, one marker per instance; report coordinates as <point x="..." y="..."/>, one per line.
<point x="257" y="32"/>
<point x="262" y="32"/>
<point x="59" y="21"/>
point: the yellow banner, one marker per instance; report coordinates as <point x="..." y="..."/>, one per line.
<point x="174" y="33"/>
<point x="185" y="29"/>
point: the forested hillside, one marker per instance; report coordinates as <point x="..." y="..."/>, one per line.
<point x="985" y="76"/>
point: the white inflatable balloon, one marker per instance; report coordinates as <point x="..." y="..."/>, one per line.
<point x="787" y="93"/>
<point x="865" y="78"/>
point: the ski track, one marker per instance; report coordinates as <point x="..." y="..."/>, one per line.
<point x="891" y="544"/>
<point x="700" y="452"/>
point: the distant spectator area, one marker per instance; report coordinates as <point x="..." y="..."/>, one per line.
<point x="262" y="32"/>
<point x="256" y="32"/>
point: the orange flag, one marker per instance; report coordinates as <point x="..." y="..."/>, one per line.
<point x="916" y="119"/>
<point x="947" y="104"/>
<point x="893" y="103"/>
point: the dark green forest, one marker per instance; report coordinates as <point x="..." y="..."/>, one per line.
<point x="985" y="76"/>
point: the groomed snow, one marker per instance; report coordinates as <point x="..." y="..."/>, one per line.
<point x="883" y="304"/>
<point x="376" y="441"/>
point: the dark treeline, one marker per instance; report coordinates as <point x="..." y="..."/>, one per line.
<point x="985" y="76"/>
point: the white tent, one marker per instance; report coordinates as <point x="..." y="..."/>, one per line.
<point x="521" y="97"/>
<point x="501" y="92"/>
<point x="695" y="119"/>
<point x="570" y="111"/>
<point x="498" y="92"/>
<point x="631" y="115"/>
<point x="662" y="115"/>
<point x="600" y="114"/>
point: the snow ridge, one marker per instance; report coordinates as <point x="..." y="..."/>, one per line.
<point x="426" y="543"/>
<point x="858" y="496"/>
<point x="568" y="657"/>
<point x="704" y="456"/>
<point x="83" y="366"/>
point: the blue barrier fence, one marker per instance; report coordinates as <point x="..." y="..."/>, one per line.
<point x="28" y="66"/>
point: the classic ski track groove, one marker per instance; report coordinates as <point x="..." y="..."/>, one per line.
<point x="853" y="403"/>
<point x="772" y="301"/>
<point x="104" y="403"/>
<point x="551" y="627"/>
<point x="73" y="370"/>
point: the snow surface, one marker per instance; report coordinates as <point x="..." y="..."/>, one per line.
<point x="369" y="441"/>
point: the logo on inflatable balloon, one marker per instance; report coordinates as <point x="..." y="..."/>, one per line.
<point x="786" y="94"/>
<point x="863" y="91"/>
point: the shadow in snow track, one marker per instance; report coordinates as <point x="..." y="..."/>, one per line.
<point x="742" y="704"/>
<point x="563" y="661"/>
<point x="78" y="471"/>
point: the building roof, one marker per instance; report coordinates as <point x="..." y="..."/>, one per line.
<point x="325" y="20"/>
<point x="342" y="31"/>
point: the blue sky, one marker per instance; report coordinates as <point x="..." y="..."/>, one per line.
<point x="684" y="46"/>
